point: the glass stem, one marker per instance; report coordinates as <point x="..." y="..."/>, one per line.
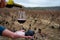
<point x="21" y="26"/>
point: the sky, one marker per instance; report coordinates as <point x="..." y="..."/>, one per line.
<point x="38" y="3"/>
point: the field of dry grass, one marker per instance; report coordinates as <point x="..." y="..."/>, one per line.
<point x="47" y="20"/>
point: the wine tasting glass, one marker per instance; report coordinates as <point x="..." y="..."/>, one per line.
<point x="21" y="17"/>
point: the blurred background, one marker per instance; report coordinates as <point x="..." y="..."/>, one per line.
<point x="46" y="18"/>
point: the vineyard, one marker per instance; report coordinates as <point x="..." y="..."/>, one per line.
<point x="47" y="20"/>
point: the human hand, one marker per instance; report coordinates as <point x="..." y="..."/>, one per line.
<point x="30" y="37"/>
<point x="21" y="33"/>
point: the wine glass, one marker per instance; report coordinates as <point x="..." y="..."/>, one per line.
<point x="21" y="17"/>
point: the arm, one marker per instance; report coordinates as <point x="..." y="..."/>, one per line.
<point x="10" y="34"/>
<point x="7" y="33"/>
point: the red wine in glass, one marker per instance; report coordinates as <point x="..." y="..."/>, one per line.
<point x="21" y="20"/>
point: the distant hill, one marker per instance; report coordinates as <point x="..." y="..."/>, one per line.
<point x="44" y="8"/>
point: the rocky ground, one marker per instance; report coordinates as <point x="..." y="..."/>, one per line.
<point x="47" y="20"/>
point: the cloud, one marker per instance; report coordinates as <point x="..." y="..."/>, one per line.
<point x="38" y="3"/>
<point x="28" y="5"/>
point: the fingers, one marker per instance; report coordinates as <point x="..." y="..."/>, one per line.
<point x="30" y="37"/>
